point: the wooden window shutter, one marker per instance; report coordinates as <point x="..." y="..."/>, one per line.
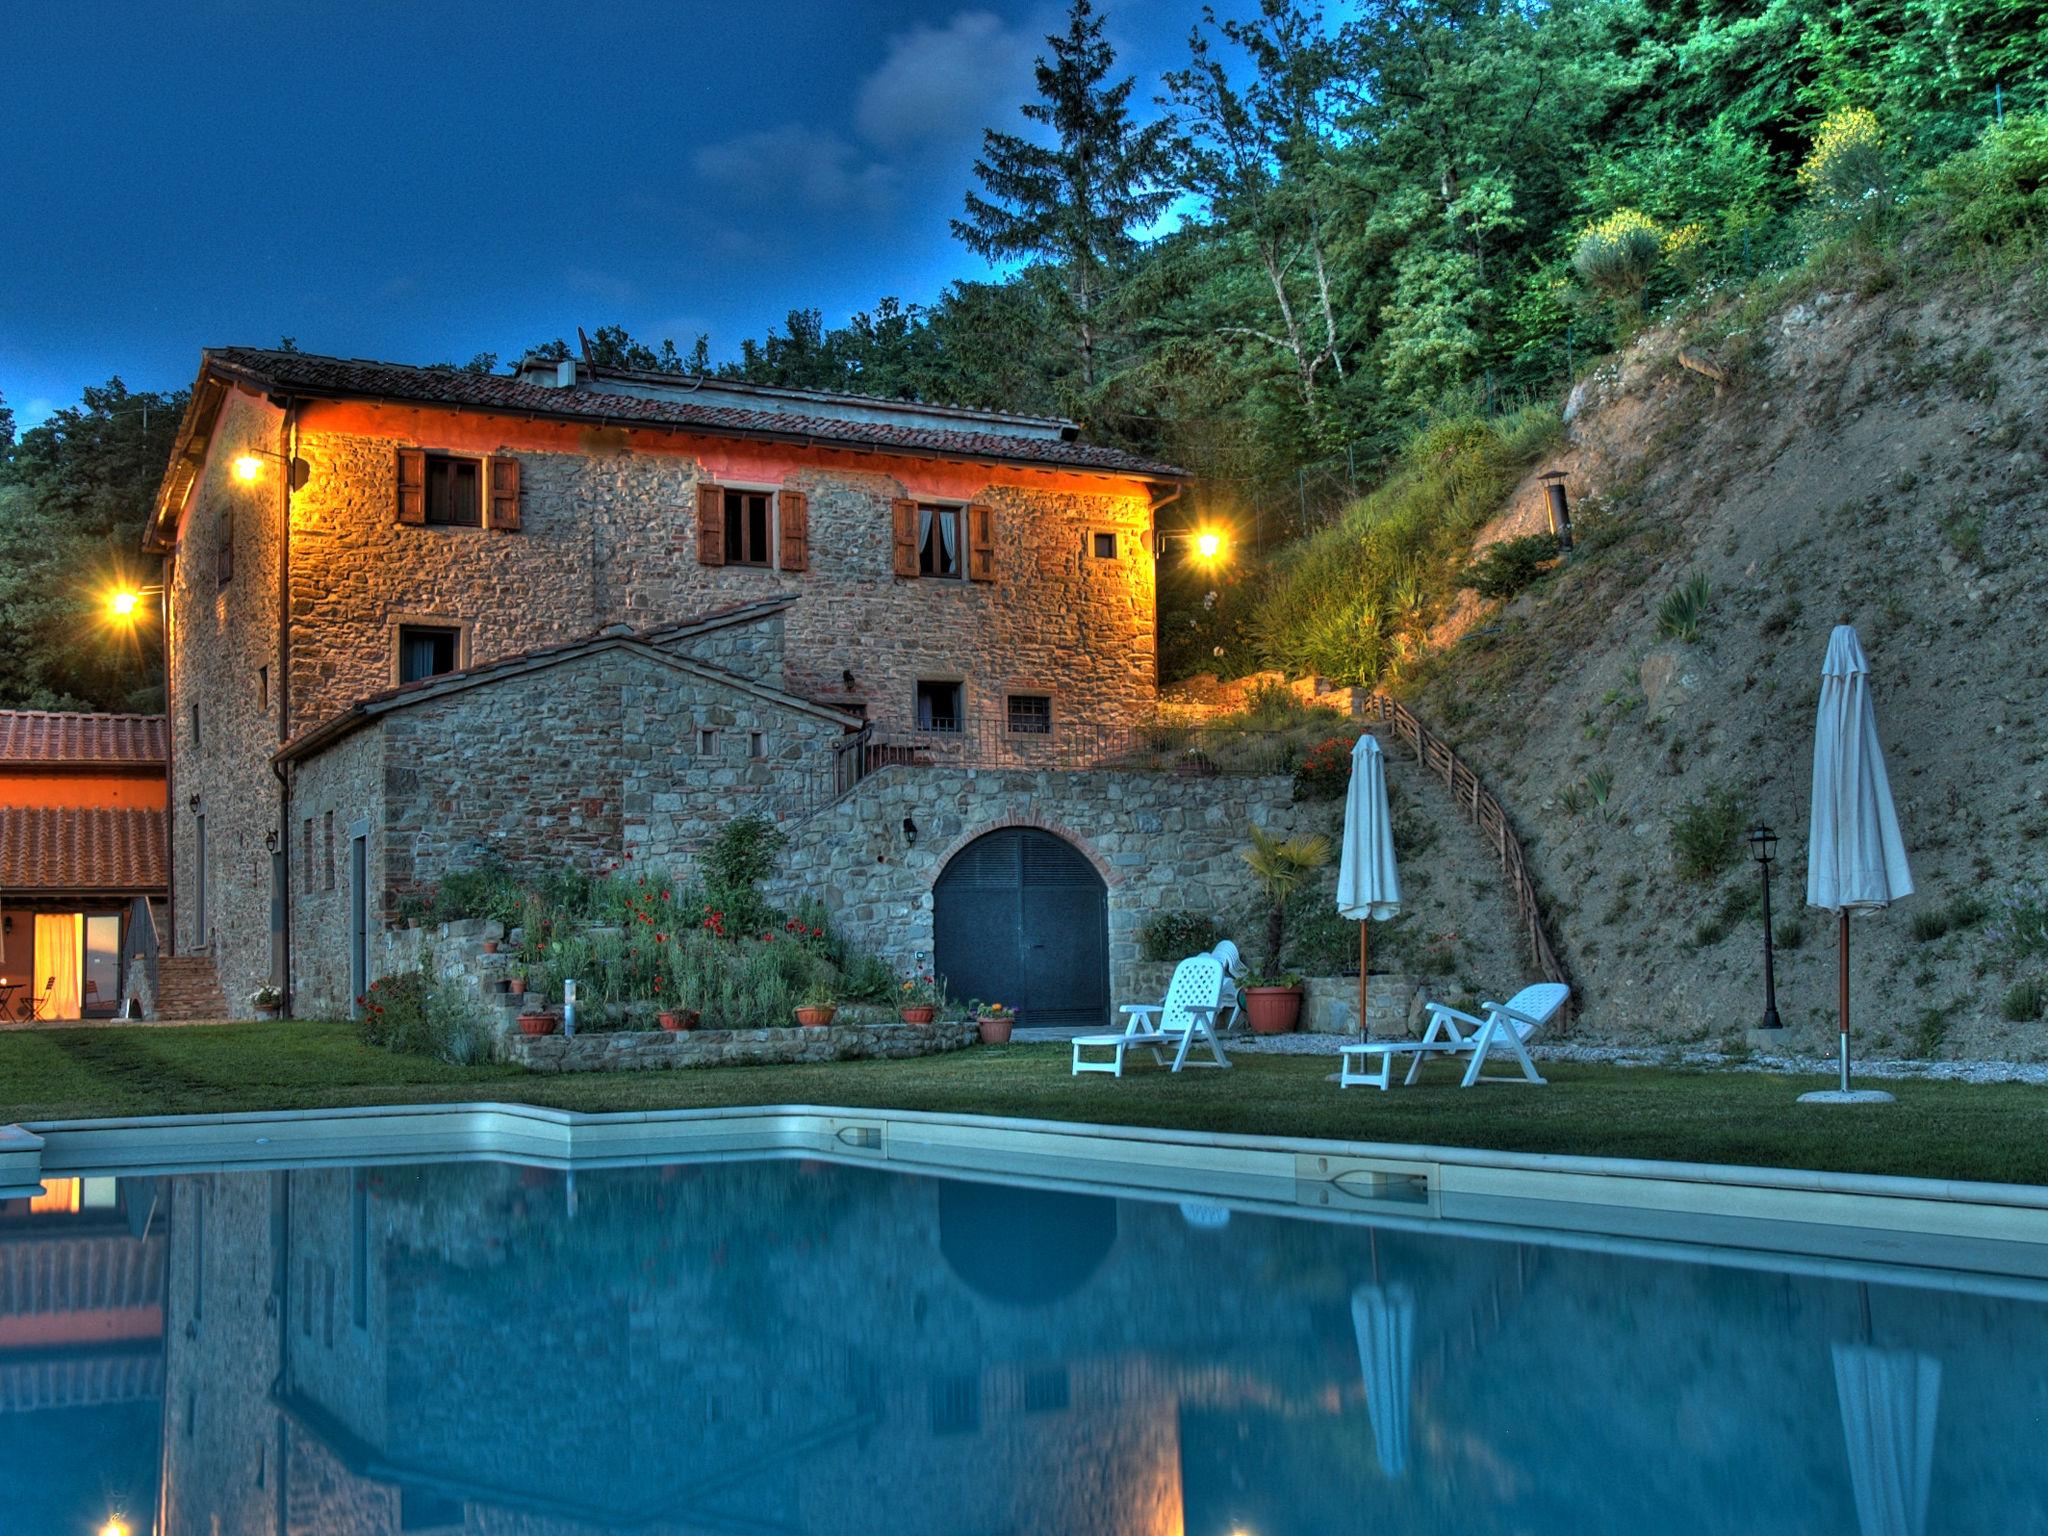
<point x="981" y="542"/>
<point x="710" y="525"/>
<point x="795" y="511"/>
<point x="412" y="485"/>
<point x="505" y="493"/>
<point x="906" y="537"/>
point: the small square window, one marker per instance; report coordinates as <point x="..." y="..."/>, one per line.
<point x="757" y="743"/>
<point x="327" y="841"/>
<point x="263" y="687"/>
<point x="956" y="1405"/>
<point x="454" y="491"/>
<point x="1046" y="1391"/>
<point x="938" y="541"/>
<point x="426" y="652"/>
<point x="1105" y="546"/>
<point x="747" y="527"/>
<point x="939" y="706"/>
<point x="1031" y="714"/>
<point x="707" y="742"/>
<point x="195" y="725"/>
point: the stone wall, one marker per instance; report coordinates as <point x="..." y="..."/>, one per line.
<point x="222" y="633"/>
<point x="1159" y="841"/>
<point x="621" y="1050"/>
<point x="333" y="792"/>
<point x="1393" y="1003"/>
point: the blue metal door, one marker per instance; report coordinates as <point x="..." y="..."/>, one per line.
<point x="1020" y="917"/>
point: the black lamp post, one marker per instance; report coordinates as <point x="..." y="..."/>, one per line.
<point x="1763" y="847"/>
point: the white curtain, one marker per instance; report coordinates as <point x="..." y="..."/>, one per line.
<point x="60" y="941"/>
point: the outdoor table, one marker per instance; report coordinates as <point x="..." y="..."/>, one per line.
<point x="9" y="990"/>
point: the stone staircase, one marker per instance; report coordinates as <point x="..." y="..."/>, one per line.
<point x="188" y="987"/>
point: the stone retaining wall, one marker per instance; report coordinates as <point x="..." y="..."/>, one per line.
<point x="1393" y="1003"/>
<point x="648" y="1050"/>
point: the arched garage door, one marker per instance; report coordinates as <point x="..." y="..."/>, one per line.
<point x="1021" y="918"/>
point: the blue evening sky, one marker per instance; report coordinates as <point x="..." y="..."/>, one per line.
<point x="426" y="181"/>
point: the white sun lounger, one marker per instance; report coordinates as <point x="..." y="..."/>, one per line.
<point x="1510" y="1026"/>
<point x="1186" y="1015"/>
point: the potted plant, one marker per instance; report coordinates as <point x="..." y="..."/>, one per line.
<point x="1281" y="866"/>
<point x="540" y="1022"/>
<point x="1272" y="1000"/>
<point x="515" y="981"/>
<point x="919" y="998"/>
<point x="818" y="1005"/>
<point x="993" y="1022"/>
<point x="678" y="1020"/>
<point x="266" y="1000"/>
<point x="1194" y="763"/>
<point x="490" y="946"/>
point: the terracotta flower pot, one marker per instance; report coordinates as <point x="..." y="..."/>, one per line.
<point x="266" y="1010"/>
<point x="490" y="946"/>
<point x="918" y="1015"/>
<point x="677" y="1020"/>
<point x="994" y="1029"/>
<point x="516" y="985"/>
<point x="1272" y="1010"/>
<point x="815" y="1018"/>
<point x="537" y="1023"/>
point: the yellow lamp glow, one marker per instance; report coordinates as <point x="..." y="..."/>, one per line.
<point x="123" y="603"/>
<point x="247" y="466"/>
<point x="115" y="1526"/>
<point x="1209" y="544"/>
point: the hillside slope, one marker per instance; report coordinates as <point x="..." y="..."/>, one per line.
<point x="1873" y="459"/>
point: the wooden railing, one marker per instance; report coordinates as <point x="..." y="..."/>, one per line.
<point x="1434" y="755"/>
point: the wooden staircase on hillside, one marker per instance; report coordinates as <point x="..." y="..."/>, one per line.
<point x="188" y="987"/>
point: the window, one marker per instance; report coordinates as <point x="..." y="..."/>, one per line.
<point x="757" y="743"/>
<point x="263" y="687"/>
<point x="747" y="526"/>
<point x="956" y="1405"/>
<point x="938" y="541"/>
<point x="359" y="1252"/>
<point x="195" y="725"/>
<point x="224" y="556"/>
<point x="327" y="856"/>
<point x="938" y="706"/>
<point x="1105" y="546"/>
<point x="419" y="1510"/>
<point x="454" y="491"/>
<point x="424" y="651"/>
<point x="1046" y="1391"/>
<point x="1031" y="714"/>
<point x="306" y="840"/>
<point x="707" y="742"/>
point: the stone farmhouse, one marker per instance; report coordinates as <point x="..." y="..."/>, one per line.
<point x="418" y="617"/>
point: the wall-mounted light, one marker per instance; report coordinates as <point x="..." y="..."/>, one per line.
<point x="270" y="840"/>
<point x="193" y="804"/>
<point x="1208" y="545"/>
<point x="909" y="832"/>
<point x="124" y="604"/>
<point x="247" y="466"/>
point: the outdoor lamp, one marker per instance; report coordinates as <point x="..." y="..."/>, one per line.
<point x="124" y="604"/>
<point x="909" y="832"/>
<point x="248" y="464"/>
<point x="1763" y="847"/>
<point x="247" y="467"/>
<point x="115" y="1526"/>
<point x="1209" y="544"/>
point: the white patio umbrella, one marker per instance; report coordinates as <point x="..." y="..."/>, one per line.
<point x="1383" y="1318"/>
<point x="1889" y="1400"/>
<point x="1855" y="857"/>
<point x="1368" y="886"/>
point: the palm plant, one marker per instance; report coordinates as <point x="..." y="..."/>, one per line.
<point x="1281" y="866"/>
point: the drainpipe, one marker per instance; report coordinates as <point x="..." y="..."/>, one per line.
<point x="167" y="941"/>
<point x="1154" y="508"/>
<point x="288" y="444"/>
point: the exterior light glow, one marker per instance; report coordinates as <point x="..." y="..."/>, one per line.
<point x="247" y="466"/>
<point x="123" y="602"/>
<point x="115" y="1526"/>
<point x="1209" y="544"/>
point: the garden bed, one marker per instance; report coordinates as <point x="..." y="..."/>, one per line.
<point x="620" y="1050"/>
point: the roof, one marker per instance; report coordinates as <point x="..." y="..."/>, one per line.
<point x="645" y="642"/>
<point x="981" y="436"/>
<point x="51" y="739"/>
<point x="46" y="849"/>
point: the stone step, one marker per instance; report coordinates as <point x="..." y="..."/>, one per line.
<point x="188" y="987"/>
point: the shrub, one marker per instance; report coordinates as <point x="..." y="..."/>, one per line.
<point x="2024" y="1001"/>
<point x="2019" y="926"/>
<point x="1684" y="607"/>
<point x="1282" y="866"/>
<point x="1511" y="566"/>
<point x="487" y="892"/>
<point x="1848" y="172"/>
<point x="1324" y="772"/>
<point x="1617" y="256"/>
<point x="1176" y="935"/>
<point x="734" y="864"/>
<point x="413" y="1013"/>
<point x="1996" y="192"/>
<point x="1707" y="835"/>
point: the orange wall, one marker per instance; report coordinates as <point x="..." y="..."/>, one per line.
<point x="84" y="790"/>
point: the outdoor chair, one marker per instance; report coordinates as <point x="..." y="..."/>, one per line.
<point x="1231" y="1014"/>
<point x="42" y="999"/>
<point x="1187" y="1014"/>
<point x="1510" y="1026"/>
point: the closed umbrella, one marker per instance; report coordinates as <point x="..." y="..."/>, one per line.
<point x="1368" y="886"/>
<point x="1889" y="1399"/>
<point x="1855" y="857"/>
<point x="1383" y="1319"/>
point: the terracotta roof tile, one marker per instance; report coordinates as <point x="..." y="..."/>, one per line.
<point x="47" y="737"/>
<point x="360" y="379"/>
<point x="52" y="848"/>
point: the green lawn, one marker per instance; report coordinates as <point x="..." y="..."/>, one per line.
<point x="1949" y="1130"/>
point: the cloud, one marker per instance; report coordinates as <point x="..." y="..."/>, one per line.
<point x="941" y="85"/>
<point x="794" y="165"/>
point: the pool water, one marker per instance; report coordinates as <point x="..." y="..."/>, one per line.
<point x="785" y="1346"/>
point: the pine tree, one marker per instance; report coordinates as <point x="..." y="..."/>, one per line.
<point x="1073" y="204"/>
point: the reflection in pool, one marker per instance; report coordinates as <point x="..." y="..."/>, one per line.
<point x="797" y="1347"/>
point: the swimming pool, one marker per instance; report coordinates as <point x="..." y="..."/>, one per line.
<point x="750" y="1341"/>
